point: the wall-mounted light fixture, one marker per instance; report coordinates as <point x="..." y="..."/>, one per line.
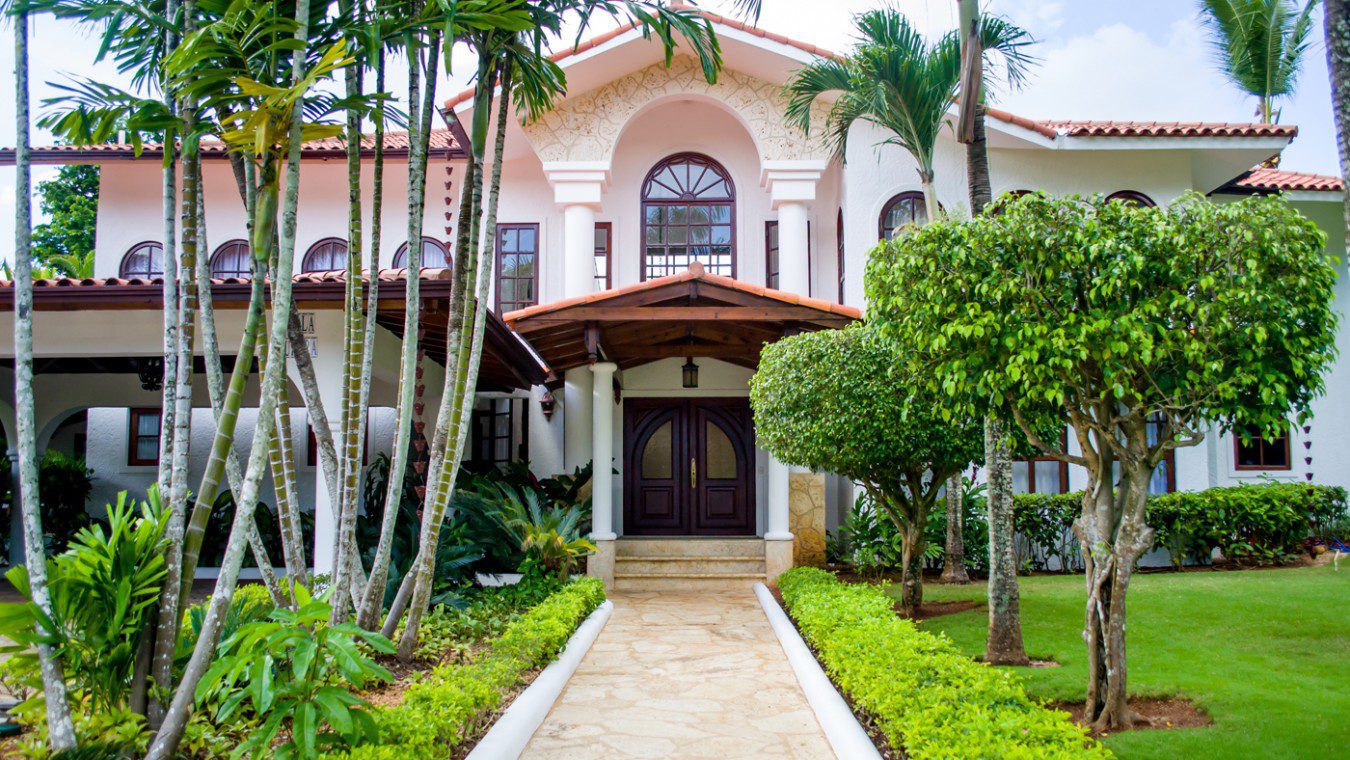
<point x="547" y="404"/>
<point x="689" y="372"/>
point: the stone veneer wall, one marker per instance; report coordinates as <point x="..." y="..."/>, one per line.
<point x="806" y="503"/>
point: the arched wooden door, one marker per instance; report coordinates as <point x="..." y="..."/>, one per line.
<point x="688" y="467"/>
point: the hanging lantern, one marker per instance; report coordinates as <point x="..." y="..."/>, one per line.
<point x="690" y="373"/>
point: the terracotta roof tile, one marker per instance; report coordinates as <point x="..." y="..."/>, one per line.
<point x="1275" y="180"/>
<point x="395" y="143"/>
<point x="339" y="275"/>
<point x="1107" y="128"/>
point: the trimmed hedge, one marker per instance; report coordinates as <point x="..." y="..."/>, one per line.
<point x="928" y="699"/>
<point x="451" y="702"/>
<point x="1260" y="523"/>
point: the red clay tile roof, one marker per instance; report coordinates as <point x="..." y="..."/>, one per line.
<point x="443" y="141"/>
<point x="337" y="275"/>
<point x="694" y="272"/>
<point x="1090" y="128"/>
<point x="1265" y="179"/>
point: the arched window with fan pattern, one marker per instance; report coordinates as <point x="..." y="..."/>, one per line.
<point x="689" y="214"/>
<point x="327" y="255"/>
<point x="434" y="255"/>
<point x="143" y="261"/>
<point x="900" y="210"/>
<point x="231" y="259"/>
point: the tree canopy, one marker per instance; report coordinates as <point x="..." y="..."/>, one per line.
<point x="70" y="201"/>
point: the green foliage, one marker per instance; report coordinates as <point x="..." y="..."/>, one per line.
<point x="70" y="201"/>
<point x="293" y="671"/>
<point x="544" y="525"/>
<point x="1260" y="44"/>
<point x="251" y="603"/>
<point x="64" y="485"/>
<point x="452" y="702"/>
<point x="926" y="697"/>
<point x="101" y="590"/>
<point x="448" y="631"/>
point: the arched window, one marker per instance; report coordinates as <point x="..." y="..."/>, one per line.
<point x="327" y="255"/>
<point x="1132" y="197"/>
<point x="144" y="260"/>
<point x="688" y="212"/>
<point x="434" y="255"/>
<point x="231" y="259"/>
<point x="904" y="208"/>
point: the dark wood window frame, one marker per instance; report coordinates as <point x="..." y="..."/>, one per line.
<point x="231" y="249"/>
<point x="772" y="264"/>
<point x="484" y="445"/>
<point x="1132" y="196"/>
<point x="400" y="259"/>
<point x="155" y="248"/>
<point x="308" y="263"/>
<point x="606" y="254"/>
<point x="533" y="279"/>
<point x="1063" y="467"/>
<point x="885" y="232"/>
<point x="1258" y="441"/>
<point x="690" y="199"/>
<point x="134" y="438"/>
<point x="839" y="251"/>
<point x="1169" y="459"/>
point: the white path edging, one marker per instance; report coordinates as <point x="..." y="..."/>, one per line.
<point x="513" y="730"/>
<point x="846" y="736"/>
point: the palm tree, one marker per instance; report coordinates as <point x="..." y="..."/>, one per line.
<point x="1338" y="61"/>
<point x="60" y="728"/>
<point x="1260" y="46"/>
<point x="1003" y="646"/>
<point x="897" y="81"/>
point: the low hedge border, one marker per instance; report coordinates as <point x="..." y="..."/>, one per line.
<point x="928" y="699"/>
<point x="447" y="706"/>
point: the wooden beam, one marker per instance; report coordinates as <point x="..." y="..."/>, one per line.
<point x="686" y="314"/>
<point x="672" y="350"/>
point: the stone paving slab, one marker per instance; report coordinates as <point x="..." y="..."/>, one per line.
<point x="688" y="674"/>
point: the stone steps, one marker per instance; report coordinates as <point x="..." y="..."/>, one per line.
<point x="685" y="564"/>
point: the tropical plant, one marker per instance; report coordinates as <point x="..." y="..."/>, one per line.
<point x="842" y="401"/>
<point x="1336" y="21"/>
<point x="296" y="672"/>
<point x="899" y="82"/>
<point x="65" y="241"/>
<point x="1109" y="315"/>
<point x="102" y="590"/>
<point x="548" y="535"/>
<point x="1260" y="46"/>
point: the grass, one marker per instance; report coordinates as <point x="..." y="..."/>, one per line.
<point x="1263" y="652"/>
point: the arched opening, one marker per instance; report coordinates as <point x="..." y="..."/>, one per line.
<point x="1132" y="197"/>
<point x="144" y="261"/>
<point x="327" y="255"/>
<point x="688" y="214"/>
<point x="231" y="259"/>
<point x="434" y="255"/>
<point x="901" y="210"/>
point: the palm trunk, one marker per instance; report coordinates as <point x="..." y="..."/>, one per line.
<point x="60" y="727"/>
<point x="932" y="208"/>
<point x="954" y="560"/>
<point x="977" y="166"/>
<point x="1004" y="646"/>
<point x="1337" y="25"/>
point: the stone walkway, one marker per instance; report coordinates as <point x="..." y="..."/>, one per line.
<point x="682" y="675"/>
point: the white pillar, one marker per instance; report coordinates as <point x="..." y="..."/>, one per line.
<point x="578" y="249"/>
<point x="602" y="446"/>
<point x="794" y="267"/>
<point x="577" y="420"/>
<point x="792" y="188"/>
<point x="577" y="189"/>
<point x="779" y="498"/>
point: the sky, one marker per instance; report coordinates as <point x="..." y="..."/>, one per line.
<point x="1104" y="59"/>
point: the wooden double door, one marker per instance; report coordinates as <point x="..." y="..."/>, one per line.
<point x="689" y="467"/>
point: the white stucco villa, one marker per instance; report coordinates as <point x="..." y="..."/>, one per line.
<point x="655" y="231"/>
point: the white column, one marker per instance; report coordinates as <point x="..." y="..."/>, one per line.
<point x="577" y="421"/>
<point x="779" y="497"/>
<point x="792" y="188"/>
<point x="578" y="187"/>
<point x="578" y="250"/>
<point x="794" y="267"/>
<point x="602" y="446"/>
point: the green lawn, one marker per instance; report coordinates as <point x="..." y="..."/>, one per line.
<point x="1266" y="653"/>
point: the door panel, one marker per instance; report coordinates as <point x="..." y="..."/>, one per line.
<point x="688" y="467"/>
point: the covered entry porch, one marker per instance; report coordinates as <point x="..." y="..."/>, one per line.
<point x="654" y="382"/>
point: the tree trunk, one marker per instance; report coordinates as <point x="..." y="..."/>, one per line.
<point x="1004" y="646"/>
<point x="1113" y="539"/>
<point x="1337" y="18"/>
<point x="977" y="166"/>
<point x="954" y="562"/>
<point x="60" y="728"/>
<point x="911" y="577"/>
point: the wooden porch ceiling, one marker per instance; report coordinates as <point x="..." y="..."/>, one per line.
<point x="692" y="313"/>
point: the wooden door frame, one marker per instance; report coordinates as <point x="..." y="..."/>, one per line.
<point x="633" y="407"/>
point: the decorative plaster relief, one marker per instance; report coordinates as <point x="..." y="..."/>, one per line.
<point x="587" y="127"/>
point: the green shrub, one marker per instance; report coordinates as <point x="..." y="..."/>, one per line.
<point x="451" y="702"/>
<point x="928" y="699"/>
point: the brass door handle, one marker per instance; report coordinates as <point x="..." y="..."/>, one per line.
<point x="693" y="472"/>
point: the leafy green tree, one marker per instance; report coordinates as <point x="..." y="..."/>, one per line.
<point x="1113" y="316"/>
<point x="70" y="201"/>
<point x="1260" y="46"/>
<point x="843" y="401"/>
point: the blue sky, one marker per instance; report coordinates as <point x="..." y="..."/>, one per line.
<point x="1106" y="59"/>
